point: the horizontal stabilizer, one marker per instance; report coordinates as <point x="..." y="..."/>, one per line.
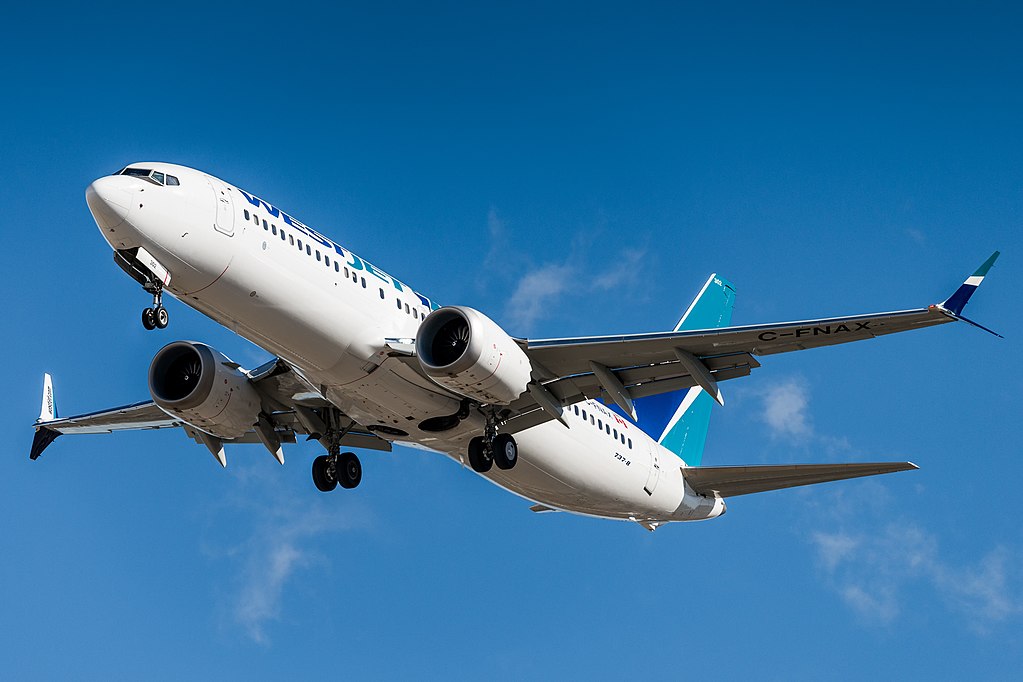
<point x="742" y="480"/>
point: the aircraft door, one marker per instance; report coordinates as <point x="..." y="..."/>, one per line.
<point x="225" y="208"/>
<point x="655" y="470"/>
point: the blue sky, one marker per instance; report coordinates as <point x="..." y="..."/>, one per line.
<point x="570" y="169"/>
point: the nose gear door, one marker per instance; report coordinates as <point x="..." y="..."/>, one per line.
<point x="225" y="208"/>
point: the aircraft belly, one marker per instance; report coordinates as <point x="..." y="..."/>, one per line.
<point x="579" y="472"/>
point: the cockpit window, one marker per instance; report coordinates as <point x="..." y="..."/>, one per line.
<point x="154" y="176"/>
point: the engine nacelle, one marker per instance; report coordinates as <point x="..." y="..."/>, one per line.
<point x="465" y="351"/>
<point x="201" y="386"/>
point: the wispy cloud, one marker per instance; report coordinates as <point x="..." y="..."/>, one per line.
<point x="872" y="573"/>
<point x="785" y="409"/>
<point x="535" y="292"/>
<point x="875" y="572"/>
<point x="541" y="291"/>
<point x="279" y="542"/>
<point x="916" y="235"/>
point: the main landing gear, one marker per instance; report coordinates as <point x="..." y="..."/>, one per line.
<point x="336" y="467"/>
<point x="492" y="448"/>
<point x="156" y="317"/>
<point x="331" y="470"/>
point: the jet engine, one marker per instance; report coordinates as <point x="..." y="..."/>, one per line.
<point x="201" y="386"/>
<point x="465" y="351"/>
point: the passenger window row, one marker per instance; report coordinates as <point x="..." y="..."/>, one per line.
<point x="599" y="423"/>
<point x="322" y="258"/>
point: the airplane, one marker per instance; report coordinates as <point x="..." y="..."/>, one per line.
<point x="605" y="426"/>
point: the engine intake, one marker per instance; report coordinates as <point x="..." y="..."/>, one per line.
<point x="201" y="386"/>
<point x="465" y="351"/>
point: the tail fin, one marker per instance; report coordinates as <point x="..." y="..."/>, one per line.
<point x="679" y="420"/>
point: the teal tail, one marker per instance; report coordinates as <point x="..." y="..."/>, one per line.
<point x="680" y="420"/>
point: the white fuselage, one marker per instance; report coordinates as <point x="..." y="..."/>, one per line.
<point x="327" y="312"/>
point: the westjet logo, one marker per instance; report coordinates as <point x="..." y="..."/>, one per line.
<point x="349" y="258"/>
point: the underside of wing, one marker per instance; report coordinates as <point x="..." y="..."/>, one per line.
<point x="729" y="481"/>
<point x="291" y="407"/>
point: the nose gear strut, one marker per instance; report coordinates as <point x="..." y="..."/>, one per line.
<point x="142" y="267"/>
<point x="155" y="317"/>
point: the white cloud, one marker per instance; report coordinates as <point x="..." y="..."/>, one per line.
<point x="541" y="291"/>
<point x="623" y="270"/>
<point x="873" y="572"/>
<point x="535" y="293"/>
<point x="785" y="409"/>
<point x="280" y="543"/>
<point x="834" y="548"/>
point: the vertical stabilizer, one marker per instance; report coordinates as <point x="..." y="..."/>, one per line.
<point x="679" y="420"/>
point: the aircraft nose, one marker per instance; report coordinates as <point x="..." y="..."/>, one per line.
<point x="109" y="200"/>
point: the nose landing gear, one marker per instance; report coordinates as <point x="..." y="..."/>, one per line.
<point x="142" y="267"/>
<point x="156" y="317"/>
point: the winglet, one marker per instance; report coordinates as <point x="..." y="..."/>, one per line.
<point x="48" y="411"/>
<point x="957" y="301"/>
<point x="42" y="439"/>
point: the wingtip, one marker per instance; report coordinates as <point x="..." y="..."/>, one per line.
<point x="955" y="303"/>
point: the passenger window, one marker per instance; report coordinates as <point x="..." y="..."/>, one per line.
<point x="363" y="282"/>
<point x="407" y="311"/>
<point x="355" y="278"/>
<point x="337" y="268"/>
<point x="275" y="228"/>
<point x="326" y="261"/>
<point x="630" y="443"/>
<point x="576" y="408"/>
<point x="246" y="212"/>
<point x="255" y="218"/>
<point x="173" y="181"/>
<point x="623" y="439"/>
<point x="592" y="420"/>
<point x="607" y="427"/>
<point x="398" y="301"/>
<point x="283" y="238"/>
<point x="415" y="313"/>
<point x="299" y="244"/>
<point x="267" y="227"/>
<point x="158" y="176"/>
<point x="615" y="434"/>
<point x="317" y="255"/>
<point x="291" y="239"/>
<point x="346" y="273"/>
<point x="584" y="415"/>
<point x="381" y="294"/>
<point x="600" y="424"/>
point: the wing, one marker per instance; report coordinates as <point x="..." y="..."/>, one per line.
<point x="620" y="369"/>
<point x="291" y="405"/>
<point x="743" y="480"/>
